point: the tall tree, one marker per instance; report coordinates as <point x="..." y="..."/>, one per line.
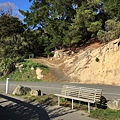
<point x="64" y="22"/>
<point x="45" y="15"/>
<point x="84" y="24"/>
<point x="10" y="40"/>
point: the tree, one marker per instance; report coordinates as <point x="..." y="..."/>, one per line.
<point x="33" y="42"/>
<point x="112" y="30"/>
<point x="110" y="16"/>
<point x="10" y="41"/>
<point x="45" y="15"/>
<point x="65" y="22"/>
<point x="111" y="7"/>
<point x="84" y="25"/>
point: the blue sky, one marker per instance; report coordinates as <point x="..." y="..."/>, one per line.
<point x="19" y="4"/>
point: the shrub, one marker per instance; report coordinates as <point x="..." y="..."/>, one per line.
<point x="97" y="59"/>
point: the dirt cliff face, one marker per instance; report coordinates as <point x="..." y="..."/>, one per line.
<point x="95" y="65"/>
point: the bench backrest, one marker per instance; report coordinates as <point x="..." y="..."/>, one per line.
<point x="82" y="92"/>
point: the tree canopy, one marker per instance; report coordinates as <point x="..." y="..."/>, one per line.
<point x="11" y="31"/>
<point x="65" y="22"/>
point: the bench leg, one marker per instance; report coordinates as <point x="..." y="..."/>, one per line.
<point x="95" y="105"/>
<point x="88" y="107"/>
<point x="58" y="101"/>
<point x="72" y="103"/>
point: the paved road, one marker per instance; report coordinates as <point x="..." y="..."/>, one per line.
<point x="109" y="92"/>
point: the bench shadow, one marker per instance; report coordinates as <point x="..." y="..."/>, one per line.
<point x="103" y="103"/>
<point x="23" y="110"/>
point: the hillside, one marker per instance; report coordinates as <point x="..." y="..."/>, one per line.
<point x="97" y="64"/>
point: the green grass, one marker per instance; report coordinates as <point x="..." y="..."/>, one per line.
<point x="50" y="99"/>
<point x="24" y="72"/>
<point x="106" y="114"/>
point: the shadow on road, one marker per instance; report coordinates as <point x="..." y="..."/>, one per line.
<point x="14" y="109"/>
<point x="19" y="110"/>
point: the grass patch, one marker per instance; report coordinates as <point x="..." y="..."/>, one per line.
<point x="26" y="71"/>
<point x="105" y="114"/>
<point x="49" y="99"/>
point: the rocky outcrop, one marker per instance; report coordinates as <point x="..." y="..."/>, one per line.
<point x="58" y="54"/>
<point x="114" y="104"/>
<point x="95" y="65"/>
<point x="21" y="90"/>
<point x="39" y="73"/>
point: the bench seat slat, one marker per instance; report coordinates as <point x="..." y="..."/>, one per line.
<point x="74" y="98"/>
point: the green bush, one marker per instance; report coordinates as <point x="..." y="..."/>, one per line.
<point x="97" y="59"/>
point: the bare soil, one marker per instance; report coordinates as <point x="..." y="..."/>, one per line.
<point x="55" y="70"/>
<point x="56" y="66"/>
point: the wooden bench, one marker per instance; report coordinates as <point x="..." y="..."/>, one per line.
<point x="90" y="95"/>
